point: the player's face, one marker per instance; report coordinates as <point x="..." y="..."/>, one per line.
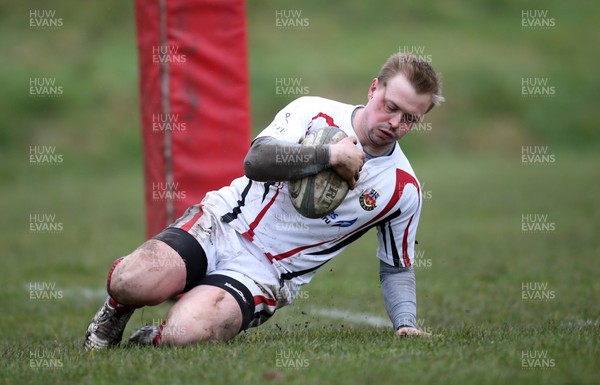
<point x="392" y="110"/>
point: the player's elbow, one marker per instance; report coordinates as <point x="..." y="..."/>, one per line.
<point x="254" y="164"/>
<point x="251" y="171"/>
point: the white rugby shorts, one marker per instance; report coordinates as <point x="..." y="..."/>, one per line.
<point x="229" y="254"/>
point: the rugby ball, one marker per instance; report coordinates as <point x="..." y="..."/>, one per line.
<point x="316" y="195"/>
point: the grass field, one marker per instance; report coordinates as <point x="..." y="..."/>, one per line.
<point x="475" y="266"/>
<point x="507" y="260"/>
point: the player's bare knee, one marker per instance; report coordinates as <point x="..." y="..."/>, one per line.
<point x="206" y="314"/>
<point x="135" y="277"/>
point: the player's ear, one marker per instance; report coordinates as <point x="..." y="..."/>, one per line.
<point x="372" y="89"/>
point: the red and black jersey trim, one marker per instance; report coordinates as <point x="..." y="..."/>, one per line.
<point x="348" y="240"/>
<point x="328" y="119"/>
<point x="294" y="274"/>
<point x="343" y="243"/>
<point x="267" y="189"/>
<point x="233" y="214"/>
<point x="337" y="246"/>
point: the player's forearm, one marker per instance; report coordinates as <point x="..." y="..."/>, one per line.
<point x="398" y="285"/>
<point x="272" y="160"/>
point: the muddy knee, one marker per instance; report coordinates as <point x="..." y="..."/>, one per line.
<point x="206" y="313"/>
<point x="151" y="274"/>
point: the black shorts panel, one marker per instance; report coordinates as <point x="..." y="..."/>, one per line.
<point x="189" y="250"/>
<point x="242" y="295"/>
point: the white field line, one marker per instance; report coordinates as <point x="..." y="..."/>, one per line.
<point x="344" y="315"/>
<point x="84" y="292"/>
<point x="349" y="316"/>
<point x="581" y="323"/>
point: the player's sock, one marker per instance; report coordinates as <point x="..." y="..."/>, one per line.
<point x="158" y="337"/>
<point x="120" y="308"/>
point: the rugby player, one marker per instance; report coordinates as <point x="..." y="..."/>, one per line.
<point x="234" y="256"/>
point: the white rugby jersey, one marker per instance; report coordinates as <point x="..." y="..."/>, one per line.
<point x="387" y="196"/>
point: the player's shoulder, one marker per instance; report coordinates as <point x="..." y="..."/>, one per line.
<point x="402" y="168"/>
<point x="321" y="103"/>
<point x="396" y="160"/>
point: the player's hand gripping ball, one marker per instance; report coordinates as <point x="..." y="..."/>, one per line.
<point x="316" y="195"/>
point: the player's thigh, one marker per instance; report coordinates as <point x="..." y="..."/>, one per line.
<point x="205" y="313"/>
<point x="150" y="275"/>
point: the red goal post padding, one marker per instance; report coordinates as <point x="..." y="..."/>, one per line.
<point x="194" y="101"/>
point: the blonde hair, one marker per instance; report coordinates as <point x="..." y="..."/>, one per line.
<point x="418" y="72"/>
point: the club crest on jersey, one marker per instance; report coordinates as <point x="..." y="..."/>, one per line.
<point x="368" y="199"/>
